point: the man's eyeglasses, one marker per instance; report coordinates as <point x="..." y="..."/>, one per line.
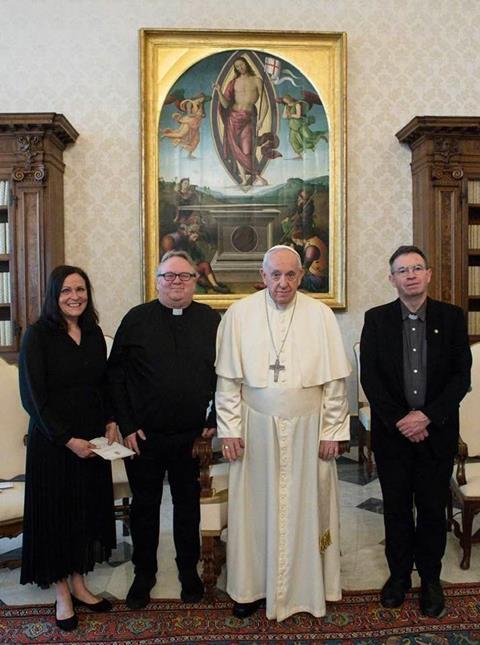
<point x="169" y="276"/>
<point x="416" y="269"/>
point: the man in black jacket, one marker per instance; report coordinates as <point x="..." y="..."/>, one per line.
<point x="415" y="370"/>
<point x="162" y="379"/>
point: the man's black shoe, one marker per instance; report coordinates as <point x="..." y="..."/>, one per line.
<point x="138" y="595"/>
<point x="246" y="609"/>
<point x="393" y="592"/>
<point x="192" y="586"/>
<point x="432" y="600"/>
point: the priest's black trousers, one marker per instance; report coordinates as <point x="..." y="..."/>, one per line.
<point x="146" y="475"/>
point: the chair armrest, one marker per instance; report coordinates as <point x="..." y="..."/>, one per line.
<point x="461" y="458"/>
<point x="343" y="446"/>
<point x="202" y="448"/>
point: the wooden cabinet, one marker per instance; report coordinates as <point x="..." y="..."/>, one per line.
<point x="446" y="206"/>
<point x="31" y="216"/>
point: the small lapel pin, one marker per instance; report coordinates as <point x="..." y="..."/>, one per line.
<point x="435" y="331"/>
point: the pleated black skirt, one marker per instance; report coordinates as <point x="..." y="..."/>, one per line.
<point x="68" y="518"/>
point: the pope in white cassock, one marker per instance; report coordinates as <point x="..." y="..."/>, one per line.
<point x="281" y="411"/>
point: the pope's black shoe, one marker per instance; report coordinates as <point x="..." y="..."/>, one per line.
<point x="138" y="595"/>
<point x="393" y="592"/>
<point x="192" y="586"/>
<point x="432" y="600"/>
<point x="246" y="609"/>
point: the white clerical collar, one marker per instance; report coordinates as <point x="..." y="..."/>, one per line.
<point x="174" y="311"/>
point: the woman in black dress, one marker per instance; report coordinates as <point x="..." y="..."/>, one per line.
<point x="68" y="517"/>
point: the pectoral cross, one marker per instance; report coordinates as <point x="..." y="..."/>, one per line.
<point x="277" y="368"/>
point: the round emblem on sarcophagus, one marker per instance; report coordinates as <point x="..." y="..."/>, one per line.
<point x="244" y="239"/>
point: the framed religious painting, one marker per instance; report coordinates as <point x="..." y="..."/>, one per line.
<point x="244" y="147"/>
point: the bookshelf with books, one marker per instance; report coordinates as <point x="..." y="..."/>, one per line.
<point x="31" y="216"/>
<point x="446" y="206"/>
<point x="6" y="335"/>
<point x="473" y="246"/>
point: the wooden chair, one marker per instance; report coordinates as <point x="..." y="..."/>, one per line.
<point x="465" y="483"/>
<point x="214" y="510"/>
<point x="13" y="429"/>
<point x="121" y="487"/>
<point x="121" y="494"/>
<point x="363" y="419"/>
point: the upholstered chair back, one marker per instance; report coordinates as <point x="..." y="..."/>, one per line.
<point x="470" y="408"/>
<point x="13" y="423"/>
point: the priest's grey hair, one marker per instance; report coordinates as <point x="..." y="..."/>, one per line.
<point x="276" y="249"/>
<point x="177" y="254"/>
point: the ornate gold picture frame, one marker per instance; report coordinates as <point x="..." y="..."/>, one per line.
<point x="243" y="147"/>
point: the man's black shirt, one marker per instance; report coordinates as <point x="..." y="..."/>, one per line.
<point x="161" y="369"/>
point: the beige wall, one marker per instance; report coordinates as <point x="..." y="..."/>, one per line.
<point x="80" y="58"/>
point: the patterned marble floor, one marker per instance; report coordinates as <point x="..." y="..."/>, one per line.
<point x="363" y="561"/>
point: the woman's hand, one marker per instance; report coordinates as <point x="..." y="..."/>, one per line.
<point x="111" y="432"/>
<point x="81" y="447"/>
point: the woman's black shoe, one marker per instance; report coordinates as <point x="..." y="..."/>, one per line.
<point x="66" y="624"/>
<point x="101" y="605"/>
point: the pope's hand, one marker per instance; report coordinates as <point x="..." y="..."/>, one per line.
<point x="233" y="448"/>
<point x="328" y="450"/>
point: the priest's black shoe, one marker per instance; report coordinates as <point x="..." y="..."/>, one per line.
<point x="432" y="600"/>
<point x="66" y="624"/>
<point x="192" y="586"/>
<point x="393" y="592"/>
<point x="246" y="609"/>
<point x="101" y="605"/>
<point x="138" y="595"/>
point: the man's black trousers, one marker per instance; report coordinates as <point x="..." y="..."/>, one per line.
<point x="146" y="474"/>
<point x="415" y="478"/>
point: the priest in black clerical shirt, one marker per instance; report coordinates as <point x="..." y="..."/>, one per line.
<point x="162" y="380"/>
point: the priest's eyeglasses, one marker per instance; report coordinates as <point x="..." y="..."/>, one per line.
<point x="169" y="276"/>
<point x="416" y="269"/>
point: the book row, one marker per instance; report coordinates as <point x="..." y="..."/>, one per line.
<point x="474" y="192"/>
<point x="6" y="335"/>
<point x="3" y="193"/>
<point x="474" y="236"/>
<point x="474" y="323"/>
<point x="5" y="291"/>
<point x="4" y="238"/>
<point x="474" y="280"/>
